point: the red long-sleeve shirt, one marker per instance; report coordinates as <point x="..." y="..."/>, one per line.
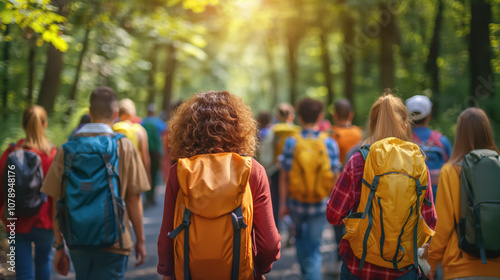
<point x="345" y="197"/>
<point x="266" y="242"/>
<point x="44" y="217"/>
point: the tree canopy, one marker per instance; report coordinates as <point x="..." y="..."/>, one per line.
<point x="266" y="51"/>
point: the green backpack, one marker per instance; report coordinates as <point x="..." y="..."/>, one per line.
<point x="480" y="197"/>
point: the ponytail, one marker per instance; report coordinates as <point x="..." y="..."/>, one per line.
<point x="34" y="123"/>
<point x="388" y="118"/>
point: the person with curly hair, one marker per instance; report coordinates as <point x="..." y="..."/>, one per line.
<point x="213" y="138"/>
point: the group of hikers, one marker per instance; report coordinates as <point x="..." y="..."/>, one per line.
<point x="401" y="199"/>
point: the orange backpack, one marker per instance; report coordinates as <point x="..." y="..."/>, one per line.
<point x="214" y="209"/>
<point x="346" y="137"/>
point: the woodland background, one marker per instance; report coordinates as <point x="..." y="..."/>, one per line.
<point x="53" y="53"/>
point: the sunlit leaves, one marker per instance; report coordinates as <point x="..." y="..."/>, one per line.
<point x="196" y="6"/>
<point x="37" y="16"/>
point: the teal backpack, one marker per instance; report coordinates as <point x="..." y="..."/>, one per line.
<point x="480" y="197"/>
<point x="91" y="210"/>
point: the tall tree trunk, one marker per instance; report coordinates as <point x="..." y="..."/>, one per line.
<point x="273" y="75"/>
<point x="388" y="37"/>
<point x="325" y="62"/>
<point x="169" y="78"/>
<point x="76" y="79"/>
<point x="482" y="85"/>
<point x="294" y="30"/>
<point x="292" y="70"/>
<point x="5" y="72"/>
<point x="53" y="68"/>
<point x="348" y="29"/>
<point x="431" y="64"/>
<point x="151" y="83"/>
<point x="31" y="68"/>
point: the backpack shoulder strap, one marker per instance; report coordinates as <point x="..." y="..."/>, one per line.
<point x="238" y="225"/>
<point x="415" y="139"/>
<point x="184" y="226"/>
<point x="117" y="136"/>
<point x="435" y="139"/>
<point x="364" y="150"/>
<point x="109" y="174"/>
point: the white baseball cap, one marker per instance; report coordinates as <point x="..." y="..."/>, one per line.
<point x="419" y="107"/>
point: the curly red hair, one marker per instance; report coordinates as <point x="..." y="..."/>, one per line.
<point x="212" y="122"/>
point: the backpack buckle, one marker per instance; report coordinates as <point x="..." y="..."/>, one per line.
<point x="238" y="222"/>
<point x="109" y="169"/>
<point x="374" y="183"/>
<point x="186" y="221"/>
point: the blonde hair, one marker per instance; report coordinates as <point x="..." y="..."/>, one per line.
<point x="388" y="118"/>
<point x="126" y="106"/>
<point x="284" y="112"/>
<point x="473" y="132"/>
<point x="34" y="123"/>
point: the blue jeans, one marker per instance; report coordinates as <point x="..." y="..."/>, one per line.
<point x="42" y="238"/>
<point x="308" y="232"/>
<point x="345" y="274"/>
<point x="98" y="265"/>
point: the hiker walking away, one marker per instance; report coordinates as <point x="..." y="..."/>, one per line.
<point x="217" y="219"/>
<point x="129" y="125"/>
<point x="344" y="132"/>
<point x="469" y="204"/>
<point x="347" y="136"/>
<point x="22" y="168"/>
<point x="97" y="178"/>
<point x="83" y="120"/>
<point x="384" y="198"/>
<point x="272" y="147"/>
<point x="154" y="127"/>
<point x="309" y="162"/>
<point x="166" y="161"/>
<point x="436" y="146"/>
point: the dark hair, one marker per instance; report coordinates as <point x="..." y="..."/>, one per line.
<point x="343" y="108"/>
<point x="103" y="103"/>
<point x="421" y="121"/>
<point x="264" y="119"/>
<point x="212" y="122"/>
<point x="309" y="110"/>
<point x="85" y="119"/>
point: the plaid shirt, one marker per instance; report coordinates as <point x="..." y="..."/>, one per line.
<point x="345" y="197"/>
<point x="286" y="160"/>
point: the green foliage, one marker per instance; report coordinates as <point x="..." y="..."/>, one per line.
<point x="240" y="46"/>
<point x="36" y="16"/>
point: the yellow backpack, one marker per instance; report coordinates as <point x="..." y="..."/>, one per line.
<point x="214" y="208"/>
<point x="129" y="130"/>
<point x="311" y="178"/>
<point x="388" y="228"/>
<point x="281" y="132"/>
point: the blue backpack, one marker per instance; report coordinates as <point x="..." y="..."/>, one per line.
<point x="91" y="210"/>
<point x="435" y="156"/>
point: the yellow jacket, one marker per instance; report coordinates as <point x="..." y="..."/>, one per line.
<point x="444" y="245"/>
